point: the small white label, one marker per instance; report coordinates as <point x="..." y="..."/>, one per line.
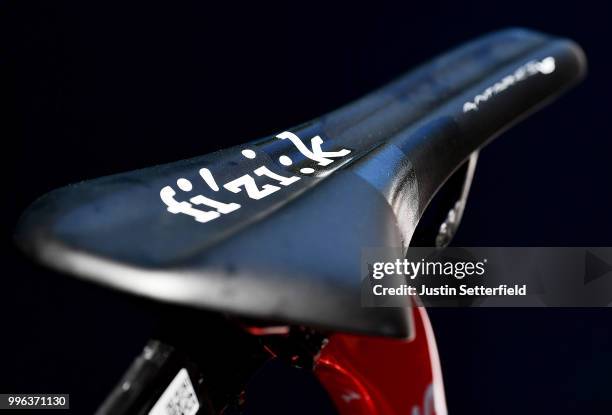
<point x="545" y="67"/>
<point x="179" y="398"/>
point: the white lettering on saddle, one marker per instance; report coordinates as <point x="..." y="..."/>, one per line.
<point x="211" y="209"/>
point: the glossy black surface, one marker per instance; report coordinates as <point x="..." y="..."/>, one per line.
<point x="295" y="255"/>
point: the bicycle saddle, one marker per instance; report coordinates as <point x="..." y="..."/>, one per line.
<point x="274" y="229"/>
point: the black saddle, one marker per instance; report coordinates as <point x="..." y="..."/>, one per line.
<point x="275" y="228"/>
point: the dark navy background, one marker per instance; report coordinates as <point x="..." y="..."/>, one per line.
<point x="97" y="88"/>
